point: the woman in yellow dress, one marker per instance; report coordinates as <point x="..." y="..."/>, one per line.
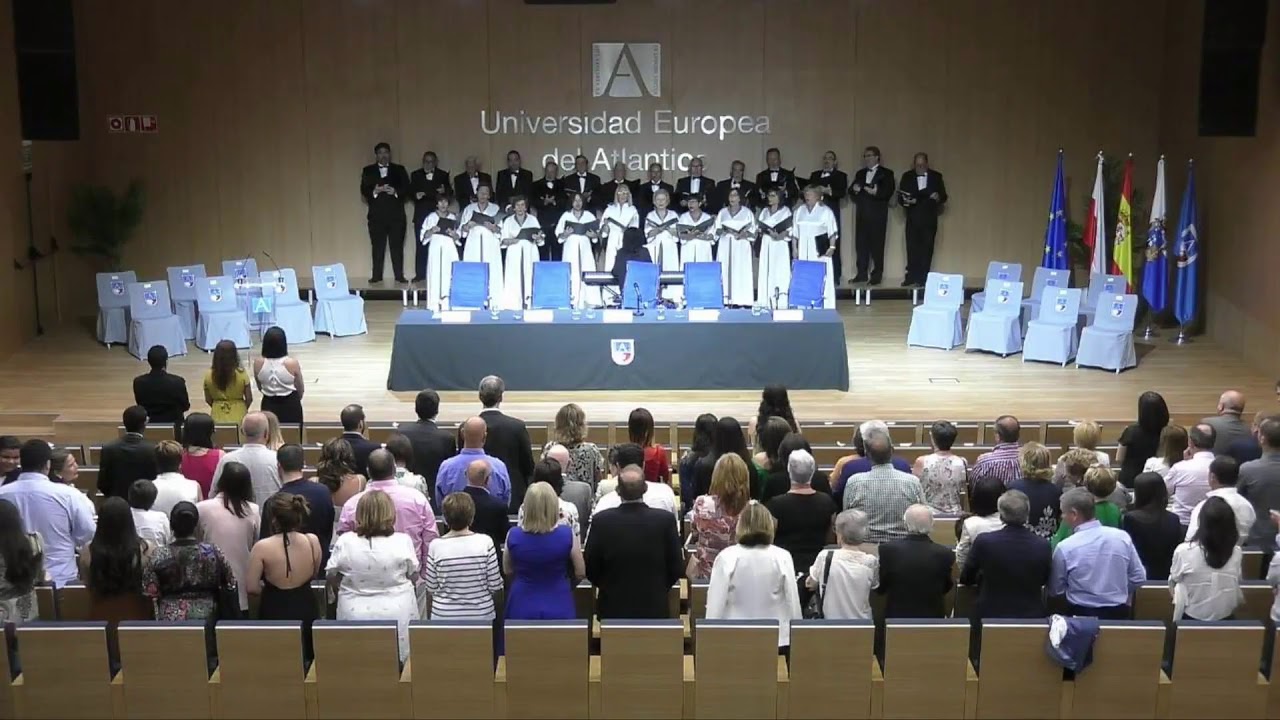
<point x="226" y="385"/>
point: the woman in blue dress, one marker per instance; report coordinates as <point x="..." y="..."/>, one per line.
<point x="540" y="552"/>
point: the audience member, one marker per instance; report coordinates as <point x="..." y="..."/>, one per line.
<point x="21" y="567"/>
<point x="507" y="440"/>
<point x="540" y="552"/>
<point x="1011" y="565"/>
<point x="714" y="518"/>
<point x="188" y="579"/>
<point x="548" y="471"/>
<point x="336" y="470"/>
<point x="770" y="458"/>
<point x="57" y="514"/>
<point x="1037" y="486"/>
<point x="161" y="393"/>
<point x="279" y="377"/>
<point x="1140" y="441"/>
<point x="983" y="517"/>
<point x="657" y="460"/>
<point x="374" y="568"/>
<point x="319" y="518"/>
<point x="111" y="569"/>
<point x="1100" y="483"/>
<point x="1097" y="568"/>
<point x="844" y="576"/>
<point x="452" y="475"/>
<point x="10" y="457"/>
<point x="200" y="456"/>
<point x="1224" y="473"/>
<point x="490" y="512"/>
<point x="620" y="456"/>
<point x="226" y="386"/>
<point x="432" y="444"/>
<point x="1075" y="463"/>
<point x="1227" y="424"/>
<point x="171" y="487"/>
<point x="275" y="437"/>
<point x="728" y="440"/>
<point x="1205" y="577"/>
<point x="282" y="564"/>
<point x="862" y="463"/>
<point x="634" y="556"/>
<point x="63" y="469"/>
<point x="821" y="480"/>
<point x="1173" y="443"/>
<point x="353" y="431"/>
<point x="1188" y="480"/>
<point x="1249" y="448"/>
<point x="883" y="493"/>
<point x="151" y="525"/>
<point x="1085" y="436"/>
<point x="700" y="446"/>
<point x="915" y="571"/>
<point x="943" y="474"/>
<point x="570" y="431"/>
<point x="402" y="452"/>
<point x="229" y="520"/>
<point x="657" y="495"/>
<point x="254" y="454"/>
<point x="1003" y="461"/>
<point x="461" y="575"/>
<point x="754" y="579"/>
<point x="1154" y="530"/>
<point x="578" y="492"/>
<point x="803" y="515"/>
<point x="774" y="402"/>
<point x="1260" y="484"/>
<point x="127" y="458"/>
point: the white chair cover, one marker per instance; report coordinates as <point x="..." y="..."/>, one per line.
<point x="113" y="306"/>
<point x="1108" y="342"/>
<point x="1053" y="336"/>
<point x="338" y="312"/>
<point x="1044" y="278"/>
<point x="998" y="328"/>
<point x="153" y="320"/>
<point x="996" y="270"/>
<point x="936" y="323"/>
<point x="291" y="314"/>
<point x="219" y="317"/>
<point x="182" y="288"/>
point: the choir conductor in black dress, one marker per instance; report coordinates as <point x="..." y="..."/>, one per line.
<point x="385" y="187"/>
<point x="922" y="195"/>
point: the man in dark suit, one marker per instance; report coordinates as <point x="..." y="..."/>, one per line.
<point x="431" y="444"/>
<point x="353" y="429"/>
<point x="587" y="184"/>
<point x="871" y="191"/>
<point x="163" y="394"/>
<point x="915" y="571"/>
<point x="491" y="513"/>
<point x="1227" y="424"/>
<point x="737" y="181"/>
<point x="131" y="457"/>
<point x="507" y="439"/>
<point x="773" y="176"/>
<point x="922" y="195"/>
<point x="695" y="183"/>
<point x="513" y="181"/>
<point x="425" y="184"/>
<point x="634" y="557"/>
<point x="467" y="184"/>
<point x="1011" y="565"/>
<point x="385" y="187"/>
<point x="834" y="184"/>
<point x="547" y="200"/>
<point x="650" y="188"/>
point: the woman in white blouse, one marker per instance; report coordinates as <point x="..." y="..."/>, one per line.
<point x="754" y="579"/>
<point x="1205" y="576"/>
<point x="985" y="515"/>
<point x="817" y="238"/>
<point x="660" y="238"/>
<point x="845" y="576"/>
<point x="577" y="231"/>
<point x="735" y="229"/>
<point x="775" y="251"/>
<point x="616" y="218"/>
<point x="521" y="235"/>
<point x="440" y="237"/>
<point x="695" y="244"/>
<point x="480" y="228"/>
<point x="1173" y="443"/>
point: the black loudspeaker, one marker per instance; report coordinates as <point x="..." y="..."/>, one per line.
<point x="1230" y="56"/>
<point x="44" y="38"/>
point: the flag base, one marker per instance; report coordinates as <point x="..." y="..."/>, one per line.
<point x="1149" y="332"/>
<point x="1182" y="338"/>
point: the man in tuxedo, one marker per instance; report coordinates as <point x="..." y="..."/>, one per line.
<point x="695" y="183"/>
<point x="513" y="181"/>
<point x="773" y="176"/>
<point x="834" y="184"/>
<point x="385" y="187"/>
<point x="922" y="195"/>
<point x="491" y="513"/>
<point x="1011" y="565"/>
<point x="872" y="189"/>
<point x="467" y="185"/>
<point x="634" y="556"/>
<point x="425" y="184"/>
<point x="915" y="571"/>
<point x="131" y="457"/>
<point x="353" y="430"/>
<point x="507" y="439"/>
<point x="547" y="199"/>
<point x="431" y="444"/>
<point x="737" y="181"/>
<point x="161" y="393"/>
<point x="650" y="188"/>
<point x="588" y="184"/>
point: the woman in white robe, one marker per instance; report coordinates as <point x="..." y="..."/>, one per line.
<point x="521" y="236"/>
<point x="775" y="252"/>
<point x="735" y="229"/>
<point x="696" y="245"/>
<point x="576" y="231"/>
<point x="660" y="238"/>
<point x="480" y="227"/>
<point x="619" y="216"/>
<point x="442" y="252"/>
<point x="810" y="222"/>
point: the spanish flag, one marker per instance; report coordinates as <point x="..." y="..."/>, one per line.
<point x="1122" y="250"/>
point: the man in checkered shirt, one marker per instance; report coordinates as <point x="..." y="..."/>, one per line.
<point x="884" y="493"/>
<point x="1002" y="461"/>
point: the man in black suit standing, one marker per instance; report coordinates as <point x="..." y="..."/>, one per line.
<point x="161" y="393"/>
<point x="587" y="184"/>
<point x="695" y="183"/>
<point x="468" y="183"/>
<point x="834" y="184"/>
<point x="491" y="513"/>
<point x="353" y="429"/>
<point x="385" y="187"/>
<point x="650" y="188"/>
<point x="1011" y="565"/>
<point x="507" y="439"/>
<point x="431" y="444"/>
<point x="131" y="457"/>
<point x="872" y="189"/>
<point x="773" y="176"/>
<point x="425" y="184"/>
<point x="922" y="195"/>
<point x="737" y="181"/>
<point x="513" y="181"/>
<point x="915" y="571"/>
<point x="547" y="200"/>
<point x="634" y="557"/>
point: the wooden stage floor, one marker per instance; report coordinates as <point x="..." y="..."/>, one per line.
<point x="67" y="373"/>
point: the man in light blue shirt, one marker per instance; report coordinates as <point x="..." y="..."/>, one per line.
<point x="1097" y="567"/>
<point x="60" y="514"/>
<point x="453" y="472"/>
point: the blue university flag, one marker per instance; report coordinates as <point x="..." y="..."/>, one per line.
<point x="1155" y="273"/>
<point x="1186" y="299"/>
<point x="1055" y="236"/>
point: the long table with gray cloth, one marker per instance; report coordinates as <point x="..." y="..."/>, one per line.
<point x="575" y="351"/>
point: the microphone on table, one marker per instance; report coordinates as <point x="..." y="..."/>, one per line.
<point x="777" y="294"/>
<point x="636" y="287"/>
<point x="274" y="264"/>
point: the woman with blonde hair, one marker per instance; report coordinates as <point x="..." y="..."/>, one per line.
<point x="539" y="551"/>
<point x="1101" y="483"/>
<point x="275" y="440"/>
<point x="755" y="579"/>
<point x="1042" y="493"/>
<point x="1084" y="436"/>
<point x="570" y="430"/>
<point x="715" y="515"/>
<point x="620" y="215"/>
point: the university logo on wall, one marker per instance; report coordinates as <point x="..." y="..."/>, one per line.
<point x="623" y="352"/>
<point x="626" y="70"/>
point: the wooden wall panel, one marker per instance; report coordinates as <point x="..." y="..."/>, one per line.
<point x="15" y="303"/>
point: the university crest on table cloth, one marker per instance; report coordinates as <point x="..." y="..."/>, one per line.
<point x="623" y="352"/>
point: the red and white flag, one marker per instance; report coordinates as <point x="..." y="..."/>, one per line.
<point x="1095" y="236"/>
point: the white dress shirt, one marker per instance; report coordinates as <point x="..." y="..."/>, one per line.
<point x="922" y="181"/>
<point x="871" y="173"/>
<point x="171" y="489"/>
<point x="1242" y="508"/>
<point x="152" y="526"/>
<point x="657" y="495"/>
<point x="1188" y="484"/>
<point x="854" y="574"/>
<point x="1203" y="592"/>
<point x="695" y="184"/>
<point x="755" y="583"/>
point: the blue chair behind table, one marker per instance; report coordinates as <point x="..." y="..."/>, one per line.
<point x="1053" y="336"/>
<point x="998" y="327"/>
<point x="1108" y="342"/>
<point x="469" y="285"/>
<point x="152" y="321"/>
<point x="338" y="312"/>
<point x="642" y="275"/>
<point x="1043" y="278"/>
<point x="242" y="272"/>
<point x="703" y="286"/>
<point x="551" y="288"/>
<point x="808" y="282"/>
<point x="219" y="317"/>
<point x="936" y="323"/>
<point x="996" y="270"/>
<point x="1101" y="286"/>
<point x="289" y="312"/>
<point x="182" y="289"/>
<point x="113" y="306"/>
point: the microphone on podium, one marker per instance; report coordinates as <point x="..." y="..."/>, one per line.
<point x="777" y="293"/>
<point x="636" y="286"/>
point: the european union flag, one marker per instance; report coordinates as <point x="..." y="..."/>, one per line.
<point x="1186" y="299"/>
<point x="1055" y="236"/>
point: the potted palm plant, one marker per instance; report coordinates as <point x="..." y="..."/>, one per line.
<point x="102" y="221"/>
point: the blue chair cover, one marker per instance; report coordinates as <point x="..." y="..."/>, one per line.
<point x="469" y="285"/>
<point x="996" y="270"/>
<point x="1108" y="342"/>
<point x="219" y="317"/>
<point x="998" y="328"/>
<point x="808" y="282"/>
<point x="1101" y="286"/>
<point x="703" y="286"/>
<point x="551" y="287"/>
<point x="338" y="312"/>
<point x="153" y="321"/>
<point x="1044" y="278"/>
<point x="182" y="288"/>
<point x="113" y="306"/>
<point x="936" y="323"/>
<point x="243" y="271"/>
<point x="288" y="311"/>
<point x="1053" y="335"/>
<point x="645" y="276"/>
